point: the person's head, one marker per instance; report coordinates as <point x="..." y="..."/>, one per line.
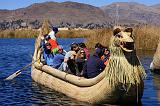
<point x="47" y="37"/>
<point x="98" y="52"/>
<point x="73" y="54"/>
<point x="60" y="49"/>
<point x="82" y="45"/>
<point x="75" y="47"/>
<point x="55" y="29"/>
<point x="82" y="54"/>
<point x="106" y="51"/>
<point x="48" y="46"/>
<point x="98" y="45"/>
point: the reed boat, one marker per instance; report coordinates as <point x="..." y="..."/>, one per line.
<point x="120" y="82"/>
<point x="155" y="64"/>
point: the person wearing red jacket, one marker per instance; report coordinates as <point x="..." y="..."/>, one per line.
<point x="52" y="40"/>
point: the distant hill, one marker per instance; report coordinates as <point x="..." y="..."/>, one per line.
<point x="80" y="15"/>
<point x="70" y="12"/>
<point x="131" y="12"/>
<point x="157" y="6"/>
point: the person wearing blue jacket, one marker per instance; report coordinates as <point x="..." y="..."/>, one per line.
<point x="94" y="65"/>
<point x="48" y="55"/>
<point x="58" y="58"/>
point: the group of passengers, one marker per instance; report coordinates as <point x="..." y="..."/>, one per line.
<point x="77" y="60"/>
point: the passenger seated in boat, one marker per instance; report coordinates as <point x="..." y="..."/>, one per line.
<point x="43" y="47"/>
<point x="106" y="55"/>
<point x="44" y="41"/>
<point x="58" y="58"/>
<point x="53" y="33"/>
<point x="80" y="60"/>
<point x="94" y="65"/>
<point x="47" y="55"/>
<point x="52" y="40"/>
<point x="69" y="59"/>
<point x="54" y="45"/>
<point x="83" y="46"/>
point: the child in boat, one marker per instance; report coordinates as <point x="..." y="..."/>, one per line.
<point x="94" y="65"/>
<point x="83" y="46"/>
<point x="80" y="60"/>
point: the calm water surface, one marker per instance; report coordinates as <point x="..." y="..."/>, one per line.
<point x="22" y="91"/>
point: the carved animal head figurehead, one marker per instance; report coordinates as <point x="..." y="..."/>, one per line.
<point x="124" y="65"/>
<point x="124" y="39"/>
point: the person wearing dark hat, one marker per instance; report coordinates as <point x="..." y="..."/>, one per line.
<point x="94" y="65"/>
<point x="52" y="34"/>
<point x="52" y="40"/>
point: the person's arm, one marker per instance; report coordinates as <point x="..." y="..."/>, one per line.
<point x="62" y="57"/>
<point x="101" y="65"/>
<point x="79" y="60"/>
<point x="66" y="57"/>
<point x="84" y="71"/>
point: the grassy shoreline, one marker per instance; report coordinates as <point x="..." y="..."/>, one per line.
<point x="146" y="37"/>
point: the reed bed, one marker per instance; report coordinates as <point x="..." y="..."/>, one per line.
<point x="146" y="37"/>
<point x="23" y="33"/>
<point x="73" y="33"/>
<point x="99" y="35"/>
<point x="92" y="36"/>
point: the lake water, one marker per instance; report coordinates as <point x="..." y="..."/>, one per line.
<point x="22" y="91"/>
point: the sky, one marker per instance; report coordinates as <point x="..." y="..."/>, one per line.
<point x="15" y="4"/>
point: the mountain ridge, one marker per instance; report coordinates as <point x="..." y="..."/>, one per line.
<point x="66" y="14"/>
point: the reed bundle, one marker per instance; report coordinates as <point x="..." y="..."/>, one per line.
<point x="123" y="67"/>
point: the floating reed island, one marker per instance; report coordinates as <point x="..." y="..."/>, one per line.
<point x="120" y="82"/>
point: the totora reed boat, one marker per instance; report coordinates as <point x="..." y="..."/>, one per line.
<point x="120" y="82"/>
